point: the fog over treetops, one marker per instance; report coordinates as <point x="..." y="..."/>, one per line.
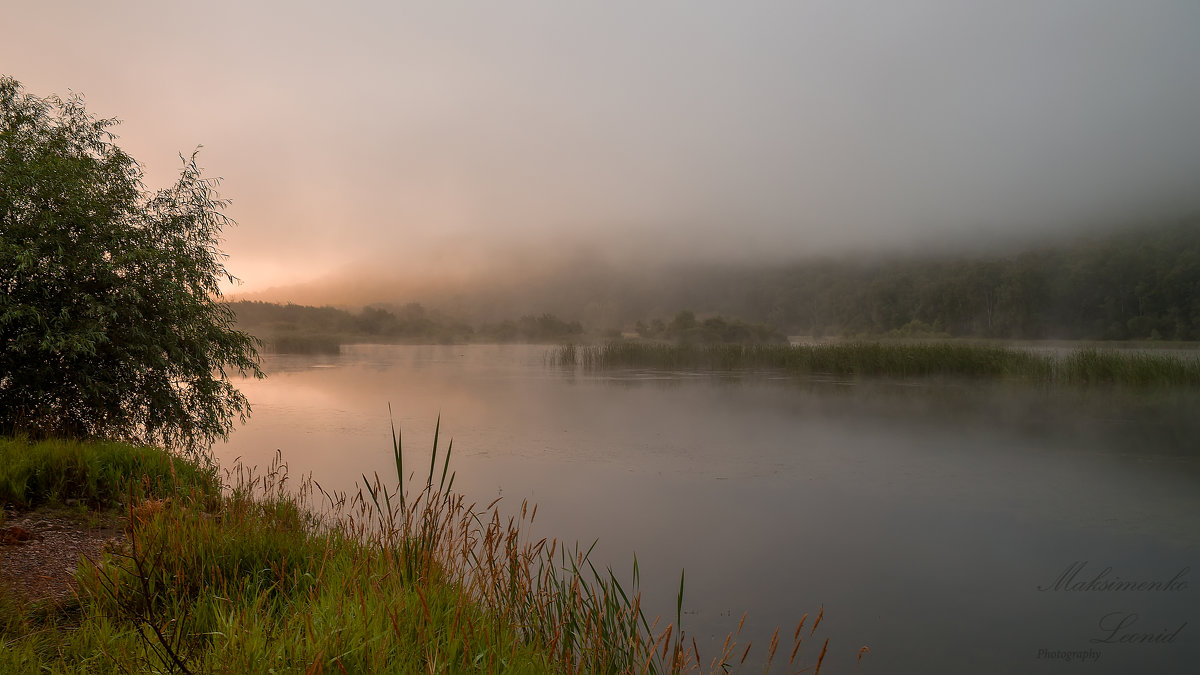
<point x="442" y="152"/>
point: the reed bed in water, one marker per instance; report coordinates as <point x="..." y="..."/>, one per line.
<point x="253" y="577"/>
<point x="875" y="359"/>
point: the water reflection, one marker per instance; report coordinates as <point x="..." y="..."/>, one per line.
<point x="924" y="517"/>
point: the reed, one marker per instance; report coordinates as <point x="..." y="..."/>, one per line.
<point x="402" y="576"/>
<point x="876" y="359"/>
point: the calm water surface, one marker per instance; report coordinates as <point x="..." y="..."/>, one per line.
<point x="949" y="527"/>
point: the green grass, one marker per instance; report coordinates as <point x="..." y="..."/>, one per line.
<point x="254" y="578"/>
<point x="251" y="583"/>
<point x="880" y="359"/>
<point x="99" y="474"/>
<point x="1095" y="366"/>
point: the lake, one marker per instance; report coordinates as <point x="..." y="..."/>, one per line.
<point x="950" y="527"/>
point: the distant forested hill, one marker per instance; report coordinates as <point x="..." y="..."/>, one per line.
<point x="1131" y="285"/>
<point x="1126" y="285"/>
<point x="299" y="325"/>
<point x="411" y="321"/>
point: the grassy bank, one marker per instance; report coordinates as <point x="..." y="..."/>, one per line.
<point x="241" y="576"/>
<point x="95" y="474"/>
<point x="881" y="359"/>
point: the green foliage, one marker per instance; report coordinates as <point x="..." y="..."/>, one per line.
<point x="875" y="359"/>
<point x="1097" y="366"/>
<point x="252" y="580"/>
<point x="110" y="324"/>
<point x="918" y="330"/>
<point x="295" y="328"/>
<point x="1142" y="283"/>
<point x="543" y="328"/>
<point x="685" y="329"/>
<point x="685" y="320"/>
<point x="101" y="474"/>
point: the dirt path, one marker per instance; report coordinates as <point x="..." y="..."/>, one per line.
<point x="40" y="549"/>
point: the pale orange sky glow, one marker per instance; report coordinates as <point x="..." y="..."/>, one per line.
<point x="405" y="139"/>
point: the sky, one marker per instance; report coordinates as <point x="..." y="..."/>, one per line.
<point x="407" y="141"/>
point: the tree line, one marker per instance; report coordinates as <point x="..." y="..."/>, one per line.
<point x="685" y="328"/>
<point x="411" y="322"/>
<point x="1136" y="284"/>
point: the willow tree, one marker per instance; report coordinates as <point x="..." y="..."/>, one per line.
<point x="111" y="324"/>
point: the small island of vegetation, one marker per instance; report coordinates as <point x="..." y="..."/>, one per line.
<point x="1087" y="366"/>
